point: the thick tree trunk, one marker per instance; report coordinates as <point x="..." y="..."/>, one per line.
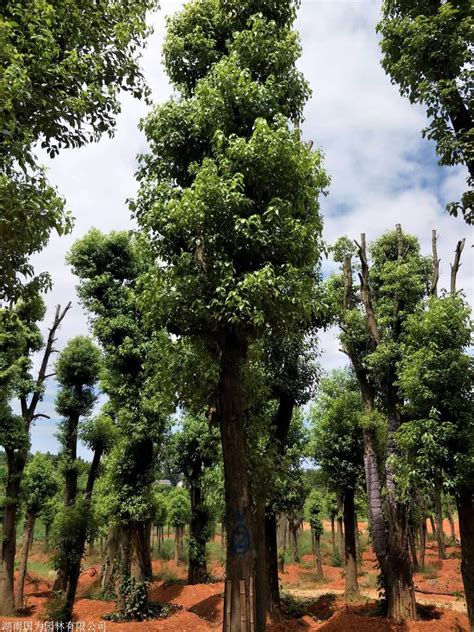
<point x="16" y="461"/>
<point x="27" y="540"/>
<point x="412" y="543"/>
<point x="70" y="575"/>
<point x="452" y="528"/>
<point x="293" y="533"/>
<point x="271" y="562"/>
<point x="141" y="539"/>
<point x="70" y="450"/>
<point x="465" y="504"/>
<point x="261" y="567"/>
<point x="340" y="538"/>
<point x="439" y="524"/>
<point x="111" y="546"/>
<point x="197" y="569"/>
<point x="240" y="561"/>
<point x="390" y="547"/>
<point x="125" y="566"/>
<point x="351" y="587"/>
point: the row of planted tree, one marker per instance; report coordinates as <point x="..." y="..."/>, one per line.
<point x="404" y="342"/>
<point x="213" y="305"/>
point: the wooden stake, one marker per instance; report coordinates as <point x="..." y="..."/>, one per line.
<point x="252" y="606"/>
<point x="243" y="608"/>
<point x="228" y="603"/>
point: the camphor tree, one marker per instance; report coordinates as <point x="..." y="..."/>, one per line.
<point x="372" y="324"/>
<point x="338" y="450"/>
<point x="228" y="196"/>
<point x="196" y="449"/>
<point x="40" y="482"/>
<point x="20" y="338"/>
<point x="77" y="371"/>
<point x="179" y="515"/>
<point x="427" y="51"/>
<point x="436" y="374"/>
<point x="313" y="514"/>
<point x="109" y="267"/>
<point x="62" y="68"/>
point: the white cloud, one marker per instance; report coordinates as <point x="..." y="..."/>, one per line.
<point x="382" y="171"/>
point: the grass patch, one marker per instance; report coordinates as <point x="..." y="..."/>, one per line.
<point x="430" y="572"/>
<point x="168" y="576"/>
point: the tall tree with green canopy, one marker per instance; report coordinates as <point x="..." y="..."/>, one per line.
<point x="109" y="267"/>
<point x="372" y="323"/>
<point x="229" y="198"/>
<point x="74" y="523"/>
<point x="196" y="449"/>
<point x="40" y="482"/>
<point x="20" y="338"/>
<point x="338" y="449"/>
<point x="436" y="373"/>
<point x="427" y="51"/>
<point x="77" y="373"/>
<point x="62" y="67"/>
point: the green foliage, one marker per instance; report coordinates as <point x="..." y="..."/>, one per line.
<point x="313" y="512"/>
<point x="99" y="433"/>
<point x="229" y="192"/>
<point x="427" y="50"/>
<point x="40" y="483"/>
<point x="436" y="378"/>
<point x="62" y="68"/>
<point x="160" y="513"/>
<point x="336" y="431"/>
<point x="179" y="508"/>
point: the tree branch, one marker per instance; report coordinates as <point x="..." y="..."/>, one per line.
<point x="366" y="293"/>
<point x="435" y="275"/>
<point x="457" y="264"/>
<point x="38" y="415"/>
<point x="58" y="318"/>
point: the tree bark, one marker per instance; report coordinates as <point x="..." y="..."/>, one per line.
<point x="141" y="538"/>
<point x="465" y="504"/>
<point x="422" y="541"/>
<point x="125" y="566"/>
<point x="16" y="461"/>
<point x="452" y="527"/>
<point x="261" y="567"/>
<point x="412" y="543"/>
<point x="197" y="569"/>
<point x="317" y="555"/>
<point x="271" y="561"/>
<point x="111" y="546"/>
<point x="340" y="539"/>
<point x="351" y="587"/>
<point x="333" y="534"/>
<point x="240" y="561"/>
<point x="27" y="540"/>
<point x="293" y="527"/>
<point x="433" y="526"/>
<point x="439" y="524"/>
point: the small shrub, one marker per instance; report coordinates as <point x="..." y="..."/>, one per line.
<point x="336" y="559"/>
<point x="430" y="572"/>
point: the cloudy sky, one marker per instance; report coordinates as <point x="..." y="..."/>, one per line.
<point x="382" y="171"/>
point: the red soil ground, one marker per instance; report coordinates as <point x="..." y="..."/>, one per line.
<point x="201" y="606"/>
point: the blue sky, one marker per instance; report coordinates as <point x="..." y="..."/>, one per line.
<point x="382" y="171"/>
